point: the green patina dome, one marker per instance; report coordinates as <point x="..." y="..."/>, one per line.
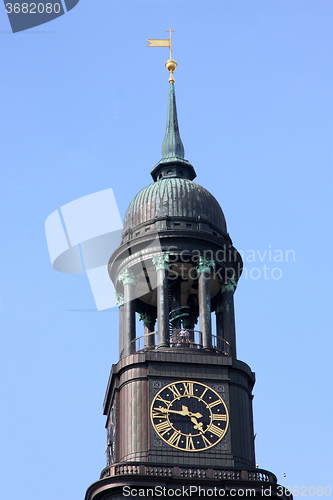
<point x="174" y="197"/>
<point x="174" y="194"/>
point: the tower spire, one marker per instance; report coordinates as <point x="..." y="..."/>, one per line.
<point x="172" y="144"/>
<point x="172" y="147"/>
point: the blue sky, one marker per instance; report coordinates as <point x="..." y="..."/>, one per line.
<point x="84" y="109"/>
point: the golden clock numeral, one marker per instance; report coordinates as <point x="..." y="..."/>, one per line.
<point x="175" y="391"/>
<point x="158" y="414"/>
<point x="219" y="417"/>
<point x="189" y="443"/>
<point x="188" y="388"/>
<point x="174" y="439"/>
<point x="206" y="441"/>
<point x="204" y="392"/>
<point x="159" y="398"/>
<point x="214" y="403"/>
<point x="216" y="430"/>
<point x="163" y="427"/>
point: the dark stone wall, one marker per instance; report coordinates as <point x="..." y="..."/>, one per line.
<point x="137" y="378"/>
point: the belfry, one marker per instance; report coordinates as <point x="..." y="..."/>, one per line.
<point x="178" y="403"/>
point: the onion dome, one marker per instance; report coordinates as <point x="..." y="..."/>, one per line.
<point x="174" y="197"/>
<point x="173" y="194"/>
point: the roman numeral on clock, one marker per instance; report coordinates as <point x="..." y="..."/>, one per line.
<point x="219" y="417"/>
<point x="174" y="439"/>
<point x="158" y="414"/>
<point x="204" y="392"/>
<point x="159" y="398"/>
<point x="189" y="443"/>
<point x="175" y="391"/>
<point x="206" y="441"/>
<point x="188" y="388"/>
<point x="216" y="430"/>
<point x="163" y="427"/>
<point x="214" y="403"/>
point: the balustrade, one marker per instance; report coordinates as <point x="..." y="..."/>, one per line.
<point x="180" y="339"/>
<point x="202" y="473"/>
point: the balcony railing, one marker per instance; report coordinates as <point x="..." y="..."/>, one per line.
<point x="181" y="339"/>
<point x="202" y="473"/>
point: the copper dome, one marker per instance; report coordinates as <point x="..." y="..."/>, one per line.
<point x="174" y="197"/>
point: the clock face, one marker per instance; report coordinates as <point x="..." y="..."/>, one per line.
<point x="189" y="416"/>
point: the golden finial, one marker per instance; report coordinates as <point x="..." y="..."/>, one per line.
<point x="170" y="65"/>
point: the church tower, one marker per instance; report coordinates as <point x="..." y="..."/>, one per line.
<point x="178" y="403"/>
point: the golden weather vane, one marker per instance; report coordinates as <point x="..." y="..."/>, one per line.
<point x="171" y="65"/>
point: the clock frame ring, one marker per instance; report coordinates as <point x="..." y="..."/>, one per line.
<point x="189" y="415"/>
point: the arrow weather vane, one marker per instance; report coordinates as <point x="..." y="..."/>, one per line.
<point x="171" y="65"/>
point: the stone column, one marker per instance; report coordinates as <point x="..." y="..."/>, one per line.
<point x="161" y="263"/>
<point x="229" y="329"/>
<point x="204" y="268"/>
<point x="149" y="327"/>
<point x="128" y="280"/>
<point x="120" y="303"/>
<point x="219" y="326"/>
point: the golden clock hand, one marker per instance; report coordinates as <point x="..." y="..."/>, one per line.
<point x="197" y="425"/>
<point x="197" y="415"/>
<point x="161" y="409"/>
<point x="183" y="412"/>
<point x="190" y="414"/>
